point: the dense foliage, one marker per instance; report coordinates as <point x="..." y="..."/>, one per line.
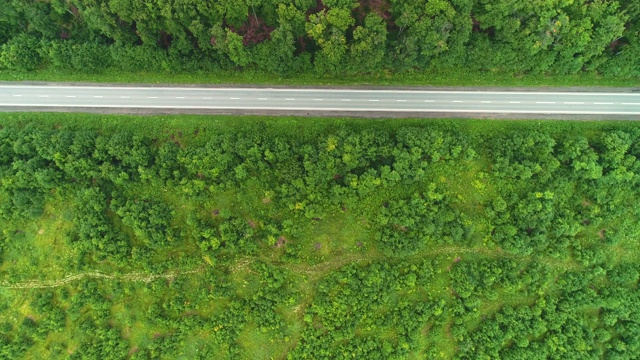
<point x="325" y="37"/>
<point x="384" y="242"/>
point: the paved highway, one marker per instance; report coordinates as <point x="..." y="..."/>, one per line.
<point x="319" y="100"/>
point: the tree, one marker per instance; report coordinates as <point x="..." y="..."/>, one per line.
<point x="236" y="49"/>
<point x="150" y="220"/>
<point x="21" y="53"/>
<point x="328" y="30"/>
<point x="368" y="48"/>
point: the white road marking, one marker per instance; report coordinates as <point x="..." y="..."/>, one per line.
<point x="234" y="98"/>
<point x="323" y="90"/>
<point x="486" y="102"/>
<point x="207" y="98"/>
<point x="262" y="98"/>
<point x="345" y="99"/>
<point x="632" y="106"/>
<point x="179" y="97"/>
<point x="289" y="99"/>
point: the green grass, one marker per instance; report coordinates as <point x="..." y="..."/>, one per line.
<point x="163" y="127"/>
<point x="443" y="77"/>
<point x="42" y="252"/>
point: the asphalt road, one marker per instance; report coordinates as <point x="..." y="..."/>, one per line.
<point x="319" y="100"/>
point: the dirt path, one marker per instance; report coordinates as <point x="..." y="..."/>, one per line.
<point x="135" y="277"/>
<point x="311" y="272"/>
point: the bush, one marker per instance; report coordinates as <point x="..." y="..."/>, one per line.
<point x="21" y="53"/>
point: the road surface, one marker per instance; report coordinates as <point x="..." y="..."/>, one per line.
<point x="77" y="98"/>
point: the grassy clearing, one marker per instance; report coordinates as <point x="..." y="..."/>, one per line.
<point x="43" y="251"/>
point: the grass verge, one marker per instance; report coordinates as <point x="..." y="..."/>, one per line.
<point x="449" y="77"/>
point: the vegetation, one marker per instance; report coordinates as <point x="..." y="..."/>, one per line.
<point x="378" y="39"/>
<point x="214" y="237"/>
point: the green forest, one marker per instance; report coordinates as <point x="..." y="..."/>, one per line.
<point x="330" y="37"/>
<point x="201" y="237"/>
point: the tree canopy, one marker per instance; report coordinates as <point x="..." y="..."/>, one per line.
<point x="326" y="37"/>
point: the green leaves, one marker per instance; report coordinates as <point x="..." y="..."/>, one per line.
<point x="236" y="49"/>
<point x="340" y="242"/>
<point x="576" y="33"/>
<point x="368" y="48"/>
<point x="409" y="225"/>
<point x="356" y="302"/>
<point x="149" y="219"/>
<point x="331" y="37"/>
<point x="21" y="53"/>
<point x="328" y="29"/>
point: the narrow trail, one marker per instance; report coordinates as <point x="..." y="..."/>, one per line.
<point x="316" y="271"/>
<point x="133" y="277"/>
<point x="311" y="272"/>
